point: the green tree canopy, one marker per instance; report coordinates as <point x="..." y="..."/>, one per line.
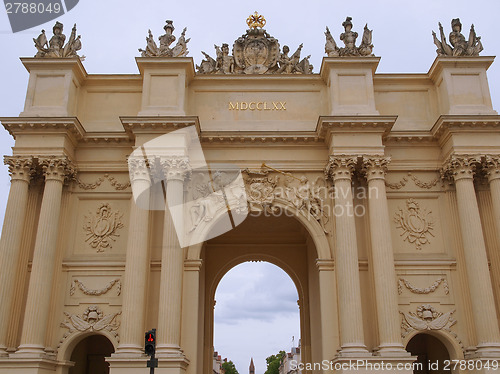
<point x="229" y="368"/>
<point x="274" y="362"/>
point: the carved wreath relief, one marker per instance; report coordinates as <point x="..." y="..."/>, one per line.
<point x="102" y="227"/>
<point x="416" y="224"/>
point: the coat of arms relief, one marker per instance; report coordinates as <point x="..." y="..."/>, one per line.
<point x="255" y="52"/>
<point x="102" y="227"/>
<point x="415" y="224"/>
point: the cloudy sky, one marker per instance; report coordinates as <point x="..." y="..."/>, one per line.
<point x="112" y="31"/>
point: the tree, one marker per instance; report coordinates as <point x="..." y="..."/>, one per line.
<point x="274" y="362"/>
<point x="229" y="368"/>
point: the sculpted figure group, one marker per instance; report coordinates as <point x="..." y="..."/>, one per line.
<point x="257" y="52"/>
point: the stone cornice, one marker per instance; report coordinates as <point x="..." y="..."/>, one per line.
<point x="459" y="62"/>
<point x="157" y="124"/>
<point x="448" y="124"/>
<point x="70" y="126"/>
<point x="354" y="124"/>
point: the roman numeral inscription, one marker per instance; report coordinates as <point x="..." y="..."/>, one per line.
<point x="257" y="105"/>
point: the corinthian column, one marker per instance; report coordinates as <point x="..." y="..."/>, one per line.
<point x="386" y="296"/>
<point x="137" y="262"/>
<point x="169" y="318"/>
<point x="340" y="169"/>
<point x="461" y="169"/>
<point x="55" y="170"/>
<point x="20" y="170"/>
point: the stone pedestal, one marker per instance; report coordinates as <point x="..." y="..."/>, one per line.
<point x="350" y="83"/>
<point x="461" y="84"/>
<point x="165" y="81"/>
<point x="53" y="86"/>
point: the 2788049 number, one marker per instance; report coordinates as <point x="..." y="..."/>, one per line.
<point x="470" y="365"/>
<point x="32" y="8"/>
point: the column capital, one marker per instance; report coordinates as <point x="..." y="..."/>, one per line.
<point x="340" y="167"/>
<point x="138" y="169"/>
<point x="20" y="167"/>
<point x="175" y="167"/>
<point x="375" y="167"/>
<point x="491" y="164"/>
<point x="459" y="167"/>
<point x="58" y="168"/>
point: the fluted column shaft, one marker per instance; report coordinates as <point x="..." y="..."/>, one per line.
<point x="340" y="169"/>
<point x="462" y="168"/>
<point x="20" y="170"/>
<point x="172" y="262"/>
<point x="36" y="314"/>
<point x="386" y="296"/>
<point x="137" y="262"/>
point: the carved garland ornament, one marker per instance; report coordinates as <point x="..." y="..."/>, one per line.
<point x="99" y="292"/>
<point x="427" y="318"/>
<point x="92" y="319"/>
<point x="423" y="291"/>
<point x="416" y="225"/>
<point x="102" y="228"/>
<point x="114" y="183"/>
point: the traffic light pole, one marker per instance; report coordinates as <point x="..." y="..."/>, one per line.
<point x="152" y="364"/>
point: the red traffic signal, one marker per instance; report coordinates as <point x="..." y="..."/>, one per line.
<point x="150" y="343"/>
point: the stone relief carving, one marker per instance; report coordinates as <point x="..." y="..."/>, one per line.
<point x="349" y="38"/>
<point x="179" y="50"/>
<point x="92" y="319"/>
<point x="55" y="46"/>
<point x="402" y="282"/>
<point x="459" y="46"/>
<point x="396" y="185"/>
<point x="416" y="224"/>
<point x="102" y="227"/>
<point x="99" y="292"/>
<point x="255" y="52"/>
<point x="114" y="183"/>
<point x="416" y="180"/>
<point x="427" y="318"/>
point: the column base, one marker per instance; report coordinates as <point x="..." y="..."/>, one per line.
<point x="30" y="365"/>
<point x="124" y="364"/>
<point x="372" y="365"/>
<point x="353" y="350"/>
<point x="129" y="350"/>
<point x="487" y="350"/>
<point x="392" y="350"/>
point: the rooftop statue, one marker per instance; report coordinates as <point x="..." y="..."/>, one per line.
<point x="55" y="46"/>
<point x="255" y="52"/>
<point x="179" y="50"/>
<point x="459" y="46"/>
<point x="349" y="38"/>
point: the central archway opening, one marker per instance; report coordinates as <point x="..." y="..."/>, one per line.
<point x="431" y="354"/>
<point x="90" y="355"/>
<point x="256" y="314"/>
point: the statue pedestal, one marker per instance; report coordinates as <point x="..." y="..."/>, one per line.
<point x="53" y="86"/>
<point x="461" y="84"/>
<point x="164" y="88"/>
<point x="350" y="83"/>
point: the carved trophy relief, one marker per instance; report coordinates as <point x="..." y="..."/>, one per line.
<point x="349" y="38"/>
<point x="92" y="319"/>
<point x="459" y="45"/>
<point x="415" y="224"/>
<point x="102" y="227"/>
<point x="255" y="52"/>
<point x="164" y="50"/>
<point x="427" y="318"/>
<point x="55" y="47"/>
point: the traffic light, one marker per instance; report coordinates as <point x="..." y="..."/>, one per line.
<point x="150" y="342"/>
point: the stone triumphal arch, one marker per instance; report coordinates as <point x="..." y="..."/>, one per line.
<point x="378" y="194"/>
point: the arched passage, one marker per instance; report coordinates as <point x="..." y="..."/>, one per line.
<point x="431" y="354"/>
<point x="256" y="314"/>
<point x="280" y="240"/>
<point x="89" y="355"/>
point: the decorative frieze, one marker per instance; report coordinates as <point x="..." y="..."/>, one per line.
<point x="402" y="282"/>
<point x="112" y="180"/>
<point x="98" y="292"/>
<point x="102" y="227"/>
<point x="415" y="224"/>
